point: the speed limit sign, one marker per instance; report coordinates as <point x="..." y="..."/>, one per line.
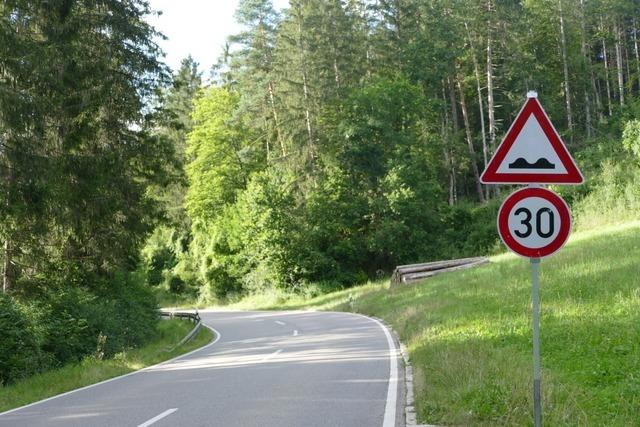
<point x="534" y="222"/>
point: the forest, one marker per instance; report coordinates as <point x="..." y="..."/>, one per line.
<point x="333" y="141"/>
<point x="338" y="139"/>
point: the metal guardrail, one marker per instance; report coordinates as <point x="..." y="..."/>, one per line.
<point x="193" y="317"/>
<point x="416" y="272"/>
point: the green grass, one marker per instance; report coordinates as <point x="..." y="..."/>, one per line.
<point x="468" y="335"/>
<point x="92" y="370"/>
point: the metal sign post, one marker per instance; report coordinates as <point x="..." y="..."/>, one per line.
<point x="535" y="311"/>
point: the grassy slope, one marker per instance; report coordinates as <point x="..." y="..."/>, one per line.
<point x="468" y="334"/>
<point x="91" y="370"/>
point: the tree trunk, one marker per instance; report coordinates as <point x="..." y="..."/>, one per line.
<point x="635" y="50"/>
<point x="587" y="63"/>
<point x="606" y="70"/>
<point x="276" y="122"/>
<point x="596" y="90"/>
<point x="626" y="61"/>
<point x="490" y="98"/>
<point x="453" y="104"/>
<point x="490" y="102"/>
<point x="456" y="127"/>
<point x="448" y="157"/>
<point x="619" y="63"/>
<point x="7" y="266"/>
<point x="476" y="70"/>
<point x="307" y="113"/>
<point x="472" y="151"/>
<point x="305" y="92"/>
<point x="452" y="175"/>
<point x="565" y="69"/>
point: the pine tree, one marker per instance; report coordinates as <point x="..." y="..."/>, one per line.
<point x="251" y="71"/>
<point x="76" y="158"/>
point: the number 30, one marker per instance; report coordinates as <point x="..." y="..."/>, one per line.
<point x="527" y="223"/>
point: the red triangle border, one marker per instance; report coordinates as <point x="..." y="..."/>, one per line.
<point x="491" y="175"/>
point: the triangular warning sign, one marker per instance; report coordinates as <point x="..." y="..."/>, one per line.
<point x="532" y="152"/>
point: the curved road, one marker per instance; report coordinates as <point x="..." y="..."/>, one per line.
<point x="265" y="369"/>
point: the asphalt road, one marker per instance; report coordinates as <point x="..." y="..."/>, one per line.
<point x="266" y="369"/>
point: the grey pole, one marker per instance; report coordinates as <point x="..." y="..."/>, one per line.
<point x="535" y="308"/>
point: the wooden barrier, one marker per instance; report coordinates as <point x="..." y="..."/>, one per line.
<point x="415" y="272"/>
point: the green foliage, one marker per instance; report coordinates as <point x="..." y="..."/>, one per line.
<point x="472" y="230"/>
<point x="375" y="204"/>
<point x="78" y="160"/>
<point x="378" y="204"/>
<point x="20" y="354"/>
<point x="160" y="255"/>
<point x="221" y="157"/>
<point x="341" y="139"/>
<point x="63" y="323"/>
<point x="631" y="137"/>
<point x="74" y="136"/>
<point x="176" y="285"/>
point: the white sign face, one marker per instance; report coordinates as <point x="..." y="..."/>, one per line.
<point x="532" y="153"/>
<point x="534" y="222"/>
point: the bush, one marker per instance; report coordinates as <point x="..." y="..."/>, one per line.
<point x="131" y="313"/>
<point x="219" y="284"/>
<point x="66" y="320"/>
<point x="20" y="355"/>
<point x="176" y="285"/>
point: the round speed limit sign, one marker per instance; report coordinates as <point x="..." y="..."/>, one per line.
<point x="534" y="222"/>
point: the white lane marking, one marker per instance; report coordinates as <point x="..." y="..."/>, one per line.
<point x="158" y="417"/>
<point x="392" y="390"/>
<point x="295" y="333"/>
<point x="218" y="336"/>
<point x="270" y="356"/>
<point x="280" y="323"/>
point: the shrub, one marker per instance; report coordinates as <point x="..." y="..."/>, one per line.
<point x="65" y="318"/>
<point x="176" y="285"/>
<point x="20" y="355"/>
<point x="68" y="319"/>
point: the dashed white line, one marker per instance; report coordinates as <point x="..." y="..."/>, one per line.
<point x="270" y="356"/>
<point x="158" y="417"/>
<point x="280" y="323"/>
<point x="295" y="333"/>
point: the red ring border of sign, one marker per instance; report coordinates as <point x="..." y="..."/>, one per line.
<point x="555" y="200"/>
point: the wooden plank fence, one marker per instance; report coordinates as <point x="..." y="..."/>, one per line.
<point x="415" y="272"/>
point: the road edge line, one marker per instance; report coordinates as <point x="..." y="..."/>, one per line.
<point x="391" y="405"/>
<point x="392" y="390"/>
<point x="66" y="393"/>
